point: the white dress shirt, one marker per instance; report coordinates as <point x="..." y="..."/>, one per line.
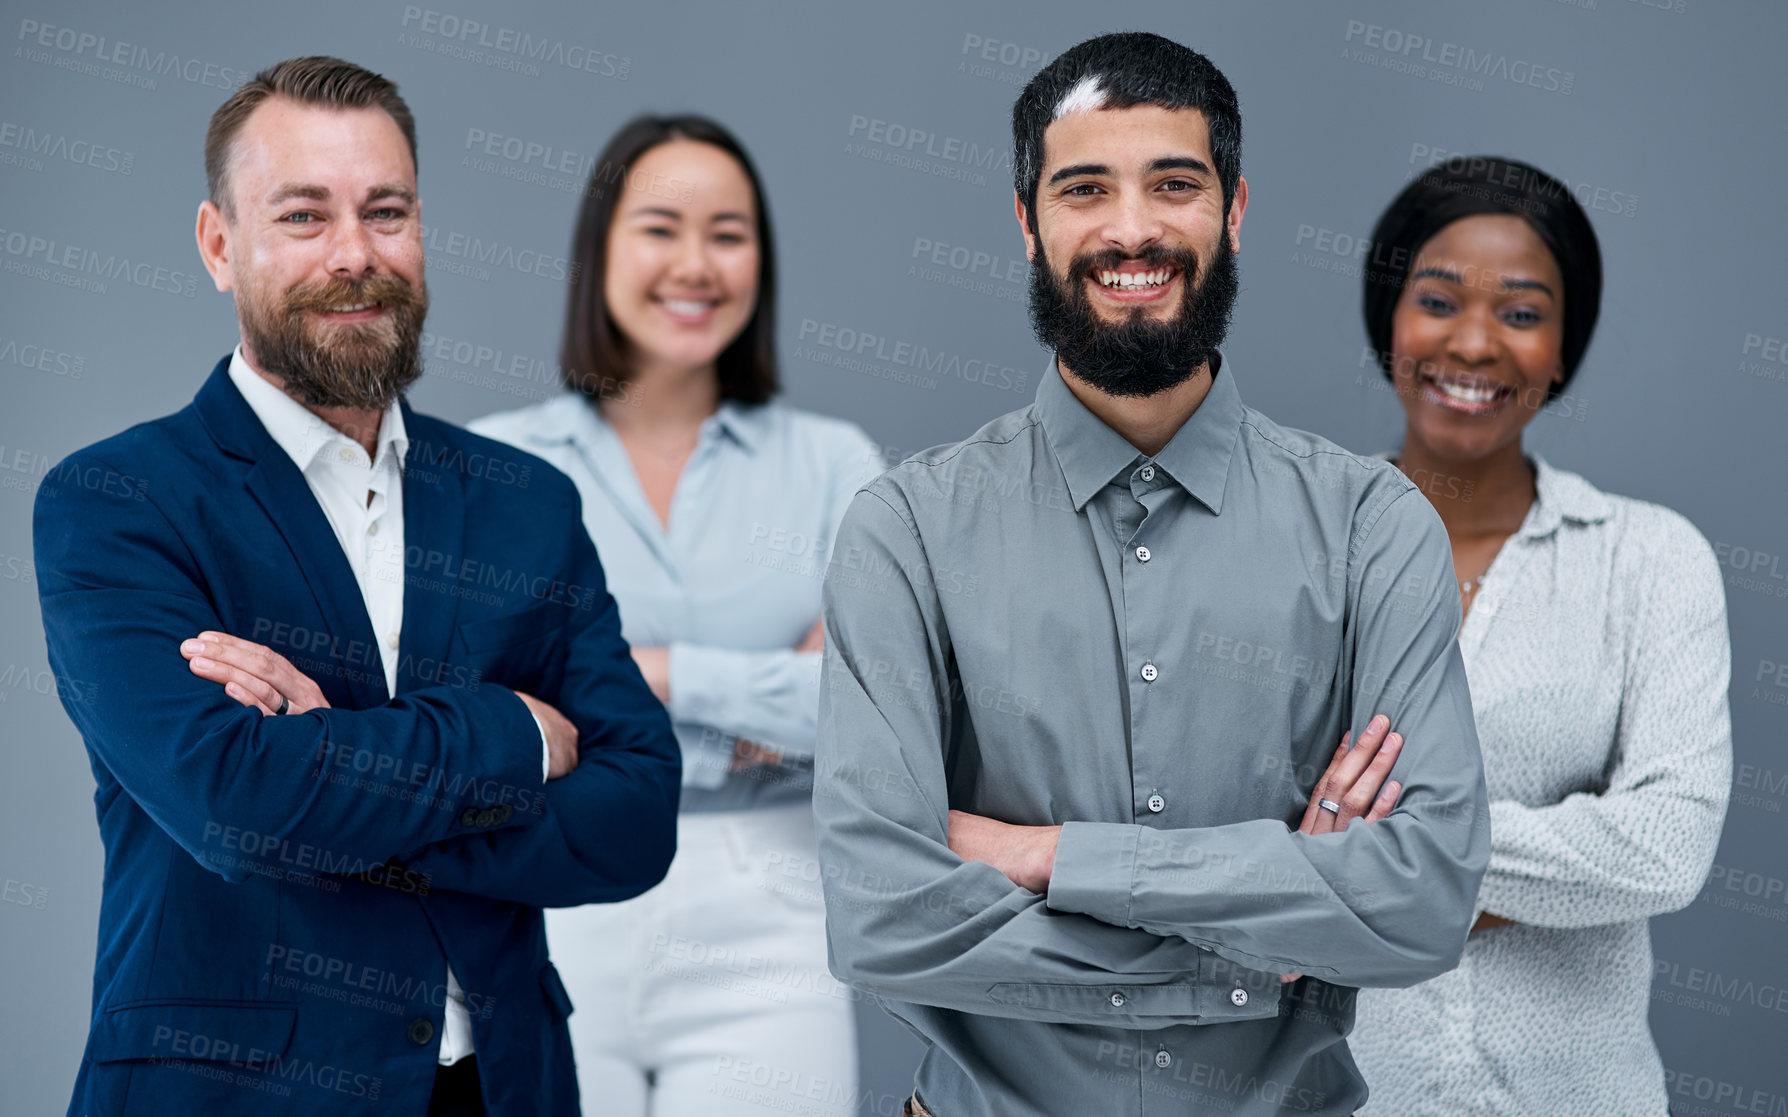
<point x="364" y="502"/>
<point x="1598" y="658"/>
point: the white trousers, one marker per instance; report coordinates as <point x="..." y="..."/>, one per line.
<point x="709" y="996"/>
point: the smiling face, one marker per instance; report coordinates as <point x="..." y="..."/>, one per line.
<point x="323" y="249"/>
<point x="1476" y="336"/>
<point x="1134" y="275"/>
<point x="683" y="257"/>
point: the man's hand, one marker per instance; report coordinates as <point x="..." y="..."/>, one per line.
<point x="1026" y="854"/>
<point x="561" y="736"/>
<point x="253" y="674"/>
<point x="815" y="640"/>
<point x="1487" y="921"/>
<point x="655" y="665"/>
<point x="1354" y="781"/>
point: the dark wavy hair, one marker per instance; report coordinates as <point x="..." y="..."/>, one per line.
<point x="591" y="357"/>
<point x="1130" y="68"/>
<point x="1472" y="186"/>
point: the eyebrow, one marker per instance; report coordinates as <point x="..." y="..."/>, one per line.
<point x="1165" y="163"/>
<point x="1507" y="284"/>
<point x="674" y="215"/>
<point x="317" y="193"/>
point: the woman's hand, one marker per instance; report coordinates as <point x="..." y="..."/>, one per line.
<point x="655" y="665"/>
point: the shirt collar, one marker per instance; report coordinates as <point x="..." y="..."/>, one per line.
<point x="300" y="432"/>
<point x="572" y="417"/>
<point x="1561" y="495"/>
<point x="1091" y="453"/>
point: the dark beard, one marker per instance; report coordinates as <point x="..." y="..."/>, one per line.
<point x="1136" y="357"/>
<point x="363" y="366"/>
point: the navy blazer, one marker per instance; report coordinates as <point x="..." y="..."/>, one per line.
<point x="283" y="895"/>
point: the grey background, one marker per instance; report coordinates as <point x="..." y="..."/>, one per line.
<point x="1670" y="131"/>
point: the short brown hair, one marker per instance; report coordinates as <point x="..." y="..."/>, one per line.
<point x="314" y="80"/>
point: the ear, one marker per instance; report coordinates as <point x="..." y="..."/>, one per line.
<point x="213" y="233"/>
<point x="1024" y="227"/>
<point x="1237" y="206"/>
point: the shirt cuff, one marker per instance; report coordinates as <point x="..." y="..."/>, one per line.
<point x="546" y="752"/>
<point x="1095" y="870"/>
<point x="706" y="684"/>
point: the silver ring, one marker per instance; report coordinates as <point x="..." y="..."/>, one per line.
<point x="284" y="704"/>
<point x="1326" y="804"/>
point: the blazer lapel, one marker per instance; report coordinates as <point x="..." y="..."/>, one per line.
<point x="275" y="483"/>
<point x="434" y="551"/>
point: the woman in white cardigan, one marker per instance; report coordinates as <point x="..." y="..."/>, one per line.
<point x="1596" y="645"/>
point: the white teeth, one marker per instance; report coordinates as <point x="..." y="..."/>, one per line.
<point x="351" y="309"/>
<point x="1465" y="393"/>
<point x="1133" y="279"/>
<point x="684" y="306"/>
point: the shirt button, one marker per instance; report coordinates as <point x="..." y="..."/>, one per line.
<point x="1149" y="674"/>
<point x="372" y="528"/>
<point x="345" y="454"/>
<point x="1142" y="554"/>
<point x="1117" y="1000"/>
<point x="1238" y="997"/>
<point x="421" y="1031"/>
<point x="1148" y="473"/>
<point x="1163" y="1059"/>
<point x="391" y="640"/>
<point x="1157" y="804"/>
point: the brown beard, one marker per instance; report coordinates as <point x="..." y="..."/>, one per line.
<point x="361" y="365"/>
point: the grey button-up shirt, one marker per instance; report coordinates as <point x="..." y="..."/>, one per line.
<point x="1041" y="625"/>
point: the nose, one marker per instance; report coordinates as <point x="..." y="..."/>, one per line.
<point x="692" y="263"/>
<point x="350" y="254"/>
<point x="1134" y="224"/>
<point x="1472" y="340"/>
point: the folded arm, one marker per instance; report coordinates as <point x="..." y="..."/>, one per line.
<point x="1642" y="847"/>
<point x="1385" y="904"/>
<point x="608" y="829"/>
<point x="907" y="917"/>
<point x="120" y="590"/>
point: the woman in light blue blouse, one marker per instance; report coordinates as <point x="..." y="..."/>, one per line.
<point x="713" y="508"/>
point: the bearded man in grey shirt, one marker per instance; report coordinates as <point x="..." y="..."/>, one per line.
<point x="1083" y="667"/>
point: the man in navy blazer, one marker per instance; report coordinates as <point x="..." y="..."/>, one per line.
<point x="352" y="686"/>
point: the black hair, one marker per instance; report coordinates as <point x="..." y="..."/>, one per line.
<point x="591" y="356"/>
<point x="1472" y="186"/>
<point x="1130" y="68"/>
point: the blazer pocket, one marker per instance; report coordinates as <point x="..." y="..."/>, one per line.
<point x="217" y="1031"/>
<point x="500" y="633"/>
<point x="554" y="989"/>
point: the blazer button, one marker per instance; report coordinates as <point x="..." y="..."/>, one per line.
<point x="1238" y="997"/>
<point x="421" y="1031"/>
<point x="504" y="813"/>
<point x="486" y="817"/>
<point x="469" y="817"/>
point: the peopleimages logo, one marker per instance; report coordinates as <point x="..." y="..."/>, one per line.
<point x="1391" y="48"/>
<point x="99" y="56"/>
<point x="503" y="48"/>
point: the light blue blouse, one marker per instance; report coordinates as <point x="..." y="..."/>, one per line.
<point x="732" y="585"/>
